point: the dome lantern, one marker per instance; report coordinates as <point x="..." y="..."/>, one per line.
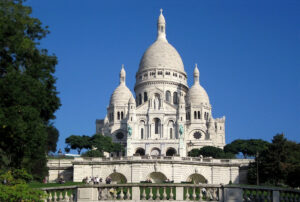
<point x="121" y="94"/>
<point x="122" y="75"/>
<point x="161" y="27"/>
<point x="196" y="74"/>
<point x="197" y="94"/>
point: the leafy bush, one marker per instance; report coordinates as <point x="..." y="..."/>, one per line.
<point x="13" y="187"/>
<point x="19" y="192"/>
<point x="93" y="153"/>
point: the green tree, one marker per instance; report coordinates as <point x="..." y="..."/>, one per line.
<point x="79" y="142"/>
<point x="272" y="162"/>
<point x="93" y="153"/>
<point x="194" y="153"/>
<point x="210" y="151"/>
<point x="247" y="147"/>
<point x="105" y="144"/>
<point x="99" y="142"/>
<point x="52" y="138"/>
<point x="280" y="163"/>
<point x="28" y="96"/>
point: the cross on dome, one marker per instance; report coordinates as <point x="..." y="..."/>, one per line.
<point x="161" y="26"/>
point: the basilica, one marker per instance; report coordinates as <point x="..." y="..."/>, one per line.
<point x="158" y="127"/>
<point x="166" y="117"/>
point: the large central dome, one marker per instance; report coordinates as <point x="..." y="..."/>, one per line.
<point x="161" y="54"/>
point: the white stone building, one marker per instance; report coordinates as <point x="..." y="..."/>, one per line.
<point x="166" y="117"/>
<point x="165" y="121"/>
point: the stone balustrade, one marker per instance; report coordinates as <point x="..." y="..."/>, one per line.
<point x="270" y="194"/>
<point x="169" y="192"/>
<point x="164" y="158"/>
<point x="64" y="193"/>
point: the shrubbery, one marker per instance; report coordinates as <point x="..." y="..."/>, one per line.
<point x="13" y="187"/>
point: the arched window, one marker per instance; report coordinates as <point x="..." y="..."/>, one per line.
<point x="175" y="98"/>
<point x="142" y="129"/>
<point x="157" y="125"/>
<point x="171" y="128"/>
<point x="168" y="96"/>
<point x="145" y="96"/>
<point x="118" y="115"/>
<point x="122" y="115"/>
<point x="140" y="99"/>
<point x="199" y="117"/>
<point x="195" y="115"/>
<point x="142" y="133"/>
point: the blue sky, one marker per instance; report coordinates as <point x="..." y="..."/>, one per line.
<point x="248" y="53"/>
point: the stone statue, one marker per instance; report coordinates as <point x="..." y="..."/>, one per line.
<point x="156" y="103"/>
<point x="129" y="130"/>
<point x="181" y="130"/>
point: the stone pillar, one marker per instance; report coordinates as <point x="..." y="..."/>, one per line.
<point x="179" y="193"/>
<point x="135" y="193"/>
<point x="276" y="196"/>
<point x="233" y="194"/>
<point x="87" y="194"/>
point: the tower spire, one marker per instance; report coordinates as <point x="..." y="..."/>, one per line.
<point x="122" y="75"/>
<point x="196" y="74"/>
<point x="161" y="26"/>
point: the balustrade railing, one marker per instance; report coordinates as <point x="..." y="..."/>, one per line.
<point x="163" y="192"/>
<point x="114" y="192"/>
<point x="286" y="195"/>
<point x="64" y="193"/>
<point x="168" y="192"/>
<point x="257" y="194"/>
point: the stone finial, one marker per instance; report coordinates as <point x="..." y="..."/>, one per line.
<point x="196" y="74"/>
<point x="161" y="26"/>
<point x="122" y="75"/>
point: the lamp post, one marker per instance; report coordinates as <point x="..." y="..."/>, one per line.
<point x="59" y="155"/>
<point x="257" y="174"/>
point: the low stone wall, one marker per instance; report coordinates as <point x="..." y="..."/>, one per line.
<point x="140" y="168"/>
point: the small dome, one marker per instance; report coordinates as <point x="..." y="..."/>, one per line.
<point x="121" y="95"/>
<point x="131" y="100"/>
<point x="197" y="95"/>
<point x="161" y="54"/>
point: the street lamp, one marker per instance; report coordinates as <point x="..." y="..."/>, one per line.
<point x="257" y="174"/>
<point x="59" y="155"/>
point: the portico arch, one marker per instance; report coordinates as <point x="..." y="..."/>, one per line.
<point x="171" y="151"/>
<point x="196" y="178"/>
<point x="118" y="178"/>
<point x="140" y="151"/>
<point x="157" y="177"/>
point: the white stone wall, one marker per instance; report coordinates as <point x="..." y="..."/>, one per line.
<point x="137" y="169"/>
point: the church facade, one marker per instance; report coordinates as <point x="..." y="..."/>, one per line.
<point x="166" y="117"/>
<point x="158" y="127"/>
